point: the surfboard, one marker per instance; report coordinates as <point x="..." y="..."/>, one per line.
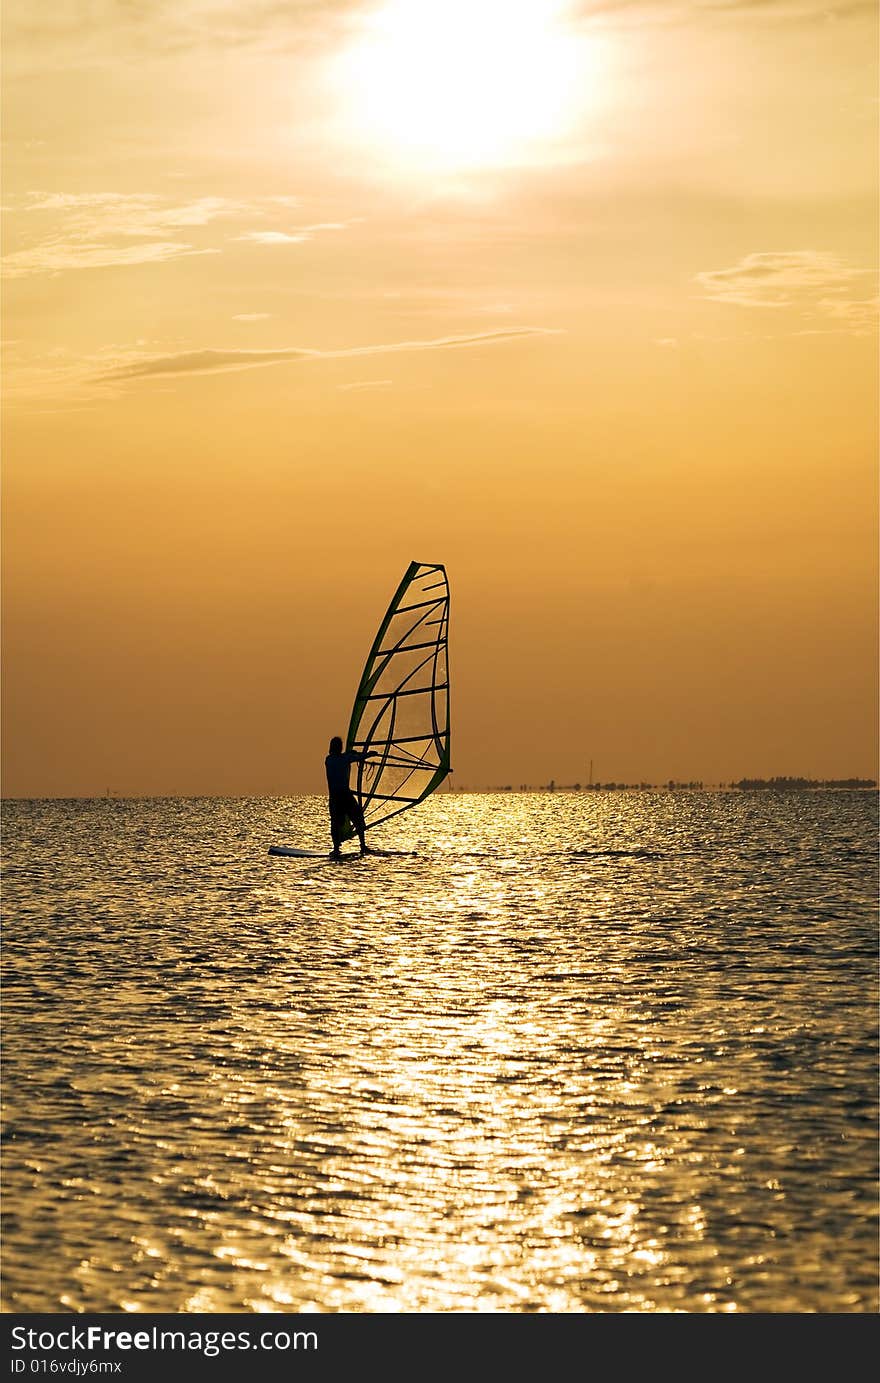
<point x="292" y="852"/>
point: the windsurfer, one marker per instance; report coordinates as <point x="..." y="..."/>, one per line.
<point x="343" y="802"/>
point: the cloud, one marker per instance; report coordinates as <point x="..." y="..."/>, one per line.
<point x="56" y="34"/>
<point x="204" y="362"/>
<point x="57" y="31"/>
<point x="134" y="213"/>
<point x="764" y="11"/>
<point x="858" y="315"/>
<point x="298" y="236"/>
<point x="774" y="279"/>
<point x="272" y="238"/>
<point x="812" y="282"/>
<point x="212" y="361"/>
<point x="94" y="230"/>
<point x="53" y="259"/>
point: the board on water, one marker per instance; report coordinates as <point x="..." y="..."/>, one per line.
<point x="292" y="852"/>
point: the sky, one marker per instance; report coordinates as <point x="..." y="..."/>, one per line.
<point x="577" y="299"/>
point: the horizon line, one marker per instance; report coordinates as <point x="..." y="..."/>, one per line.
<point x="783" y="782"/>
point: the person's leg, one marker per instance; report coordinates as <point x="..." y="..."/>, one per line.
<point x="336" y="823"/>
<point x="356" y="817"/>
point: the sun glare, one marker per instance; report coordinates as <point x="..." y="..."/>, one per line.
<point x="460" y="84"/>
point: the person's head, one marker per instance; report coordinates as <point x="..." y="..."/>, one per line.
<point x="336" y="745"/>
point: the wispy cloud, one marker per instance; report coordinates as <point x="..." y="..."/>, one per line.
<point x="204" y="362"/>
<point x="96" y="229"/>
<point x="297" y="236"/>
<point x="53" y="259"/>
<point x="37" y="33"/>
<point x="272" y="238"/>
<point x="836" y="307"/>
<point x="764" y="11"/>
<point x="857" y="315"/>
<point x="775" y="279"/>
<point x="812" y="282"/>
<point x="40" y="34"/>
<point x="212" y="361"/>
<point x="136" y="213"/>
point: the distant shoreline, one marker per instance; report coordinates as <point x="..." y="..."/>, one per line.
<point x="742" y="785"/>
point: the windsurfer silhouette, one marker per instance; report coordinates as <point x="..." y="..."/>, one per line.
<point x="343" y="802"/>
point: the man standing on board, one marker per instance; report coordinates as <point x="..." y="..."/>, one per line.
<point x="343" y="802"/>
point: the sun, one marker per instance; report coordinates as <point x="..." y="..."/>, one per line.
<point x="463" y="84"/>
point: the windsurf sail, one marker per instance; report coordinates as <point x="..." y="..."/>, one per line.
<point x="401" y="709"/>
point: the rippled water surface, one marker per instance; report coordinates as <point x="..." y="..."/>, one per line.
<point x="580" y="1053"/>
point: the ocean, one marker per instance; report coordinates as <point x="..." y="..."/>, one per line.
<point x="580" y="1052"/>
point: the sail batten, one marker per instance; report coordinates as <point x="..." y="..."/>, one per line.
<point x="404" y="727"/>
<point x="422" y="605"/>
<point x="412" y="647"/>
<point x="409" y="691"/>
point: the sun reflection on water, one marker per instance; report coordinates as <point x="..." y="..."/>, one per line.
<point x="542" y="1065"/>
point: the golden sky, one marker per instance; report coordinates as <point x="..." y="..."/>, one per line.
<point x="577" y="299"/>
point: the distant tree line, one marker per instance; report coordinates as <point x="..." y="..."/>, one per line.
<point x="799" y="784"/>
<point x="673" y="785"/>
